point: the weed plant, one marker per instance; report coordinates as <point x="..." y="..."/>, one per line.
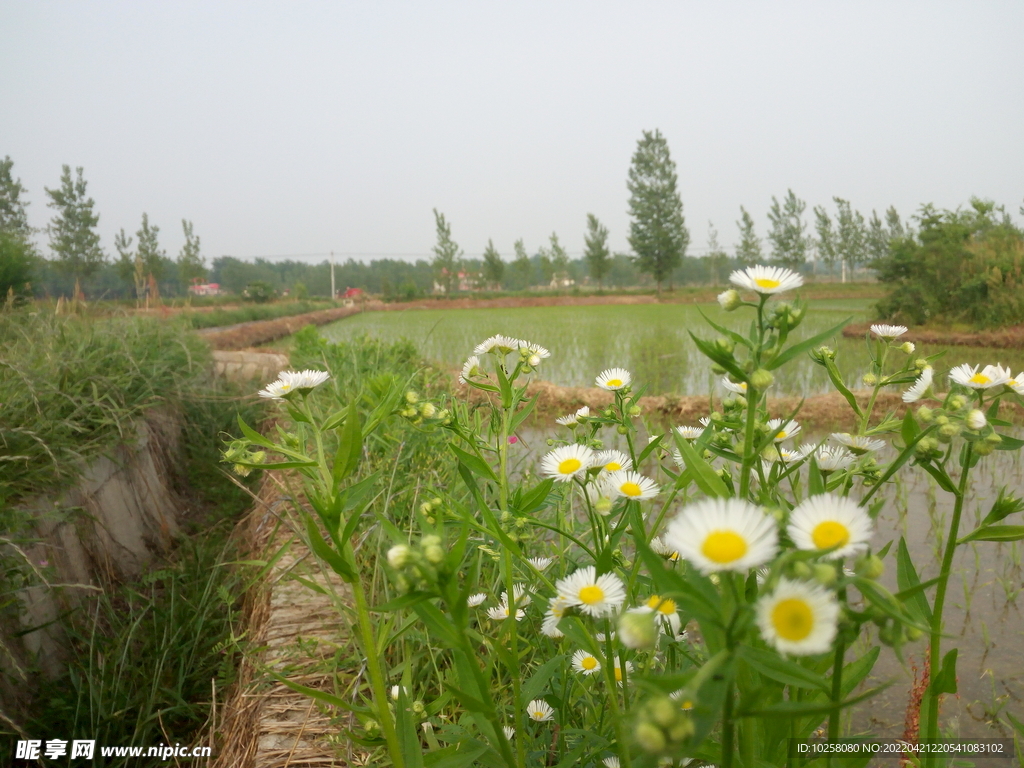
<point x="690" y="600"/>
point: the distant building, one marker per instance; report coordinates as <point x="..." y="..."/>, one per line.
<point x="352" y="293"/>
<point x="561" y="280"/>
<point x="468" y="281"/>
<point x="205" y="289"/>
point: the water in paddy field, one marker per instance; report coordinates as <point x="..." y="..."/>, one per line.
<point x="650" y="340"/>
<point x="984" y="602"/>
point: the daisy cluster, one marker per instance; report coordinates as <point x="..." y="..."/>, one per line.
<point x="796" y="616"/>
<point x="609" y="473"/>
<point x="289" y="383"/>
<point x="531" y="355"/>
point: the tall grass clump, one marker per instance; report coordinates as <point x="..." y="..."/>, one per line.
<point x="636" y="598"/>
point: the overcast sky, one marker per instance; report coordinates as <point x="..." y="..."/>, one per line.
<point x="290" y="129"/>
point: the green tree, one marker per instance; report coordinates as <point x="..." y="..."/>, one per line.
<point x="846" y="243"/>
<point x="13" y="216"/>
<point x="787" y="235"/>
<point x="149" y="251"/>
<point x="73" y="237"/>
<point x="748" y="252"/>
<point x="446" y="256"/>
<point x="521" y="265"/>
<point x="191" y="264"/>
<point x="657" y="232"/>
<point x="494" y="267"/>
<point x="559" y="258"/>
<point x="596" y="253"/>
<point x="16" y="262"/>
<point x="129" y="266"/>
<point x="717" y="257"/>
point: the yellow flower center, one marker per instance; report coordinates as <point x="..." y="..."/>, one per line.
<point x="613" y="466"/>
<point x="830" y="534"/>
<point x="662" y="605"/>
<point x="568" y="466"/>
<point x="286" y="386"/>
<point x="724" y="547"/>
<point x="614" y="382"/>
<point x="980" y="378"/>
<point x="793" y="619"/>
<point x="781" y="435"/>
<point x="618" y="675"/>
<point x="686" y="704"/>
<point x="589" y="663"/>
<point x="630" y="489"/>
<point x="765" y="282"/>
<point x="591" y="595"/>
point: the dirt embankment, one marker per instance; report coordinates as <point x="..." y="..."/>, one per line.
<point x="1001" y="338"/>
<point x="245" y="335"/>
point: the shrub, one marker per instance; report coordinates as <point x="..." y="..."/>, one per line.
<point x="260" y="291"/>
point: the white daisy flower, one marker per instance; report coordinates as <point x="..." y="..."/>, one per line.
<point x="723" y="535"/>
<point x="519" y="596"/>
<point x="988" y="377"/>
<point x="613" y="461"/>
<point x="610" y="762"/>
<point x="557" y="608"/>
<point x="766" y="280"/>
<point x="294" y="381"/>
<point x="474" y="600"/>
<point x="667" y="613"/>
<point x="1017" y="383"/>
<point x="567" y="462"/>
<point x="540" y="563"/>
<point x="601" y="637"/>
<point x="740" y="388"/>
<point x="632" y="485"/>
<point x="396" y="690"/>
<point x="776" y="453"/>
<point x="798" y="618"/>
<point x="618" y="670"/>
<point x="509" y="731"/>
<point x="659" y="547"/>
<point x="704" y="421"/>
<point x="499" y="344"/>
<point x="470" y="369"/>
<point x="595" y="595"/>
<point x="539" y="710"/>
<point x="689" y="433"/>
<point x="920" y="387"/>
<point x="614" y="378"/>
<point x="833" y="458"/>
<point x="529" y="349"/>
<point x="783" y="431"/>
<point x="502" y="612"/>
<point x="826" y="521"/>
<point x="976" y="420"/>
<point x="858" y="444"/>
<point x="574" y="418"/>
<point x="586" y="663"/>
<point x="888" y="332"/>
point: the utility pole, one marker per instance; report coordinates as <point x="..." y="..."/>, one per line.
<point x="334" y="294"/>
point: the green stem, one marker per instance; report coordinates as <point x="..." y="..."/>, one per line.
<point x="748" y="445"/>
<point x="380" y="696"/>
<point x="727" y="728"/>
<point x="935" y="647"/>
<point x="837" y="692"/>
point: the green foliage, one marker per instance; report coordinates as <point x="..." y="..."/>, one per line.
<point x="787" y="235"/>
<point x="961" y="266"/>
<point x="748" y="250"/>
<point x="596" y="252"/>
<point x="149" y="251"/>
<point x="657" y="232"/>
<point x="717" y="259"/>
<point x="494" y="267"/>
<point x="16" y="263"/>
<point x="216" y="318"/>
<point x="847" y="242"/>
<point x="73" y="386"/>
<point x="446" y="256"/>
<point x="73" y="237"/>
<point x="191" y="264"/>
<point x="13" y="216"/>
<point x="260" y="292"/>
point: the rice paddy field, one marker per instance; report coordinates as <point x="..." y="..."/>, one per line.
<point x="651" y="340"/>
<point x="984" y="614"/>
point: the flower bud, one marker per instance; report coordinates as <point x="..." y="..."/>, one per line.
<point x="434" y="553"/>
<point x="622" y="429"/>
<point x="925" y="414"/>
<point x="824" y="574"/>
<point x="921" y="363"/>
<point x="634" y="411"/>
<point x="870" y="567"/>
<point x="761" y="379"/>
<point x="908" y="347"/>
<point x="637" y="629"/>
<point x="890" y="634"/>
<point x="724" y="345"/>
<point x="428" y="410"/>
<point x="241" y="471"/>
<point x="942" y="419"/>
<point x="649" y="737"/>
<point x="976" y="420"/>
<point x="258" y="457"/>
<point x="869" y="379"/>
<point x="956" y="402"/>
<point x="801" y="570"/>
<point x="993" y="438"/>
<point x="398" y="556"/>
<point x="663" y="711"/>
<point x="418" y="708"/>
<point x="983" y="448"/>
<point x="717" y="369"/>
<point x="425" y="508"/>
<point x="913" y="633"/>
<point x="603" y="506"/>
<point x="730" y="299"/>
<point x="533" y="360"/>
<point x="411" y="397"/>
<point x="371" y="728"/>
<point x="947" y="432"/>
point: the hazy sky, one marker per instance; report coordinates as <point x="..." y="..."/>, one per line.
<point x="295" y="128"/>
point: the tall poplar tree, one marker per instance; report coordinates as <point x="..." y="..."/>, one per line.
<point x="446" y="256"/>
<point x="657" y="232"/>
<point x="191" y="264"/>
<point x="17" y="253"/>
<point x="13" y="216"/>
<point x="788" y="232"/>
<point x="599" y="258"/>
<point x="73" y="237"/>
<point x="522" y="267"/>
<point x="494" y="267"/>
<point x="748" y="252"/>
<point x="717" y="257"/>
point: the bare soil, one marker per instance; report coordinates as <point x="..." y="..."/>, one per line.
<point x="1001" y="338"/>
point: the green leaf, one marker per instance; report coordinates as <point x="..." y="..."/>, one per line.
<point x="789" y="709"/>
<point x="837" y="382"/>
<point x="458" y="755"/>
<point x="736" y="337"/>
<point x="907" y="580"/>
<point x="815" y="482"/>
<point x="477" y="465"/>
<point x="857" y="670"/>
<point x="806" y="346"/>
<point x="327" y="553"/>
<point x="705" y="477"/>
<point x="945" y="482"/>
<point x="1009" y="443"/>
<point x="254" y="436"/>
<point x="714" y="353"/>
<point x="314" y="693"/>
<point x="520" y="416"/>
<point x="945" y="681"/>
<point x="773" y="666"/>
<point x="995" y="533"/>
<point x="909" y="429"/>
<point x="540" y="679"/>
<point x="534" y="498"/>
<point x="350" y="445"/>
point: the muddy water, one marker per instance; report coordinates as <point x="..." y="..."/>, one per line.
<point x="983" y="607"/>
